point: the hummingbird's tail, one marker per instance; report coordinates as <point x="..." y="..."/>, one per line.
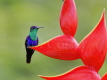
<point x="28" y="58"/>
<point x="29" y="55"/>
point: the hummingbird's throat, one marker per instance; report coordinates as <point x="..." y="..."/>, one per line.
<point x="33" y="35"/>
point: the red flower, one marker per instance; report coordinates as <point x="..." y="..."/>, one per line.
<point x="91" y="50"/>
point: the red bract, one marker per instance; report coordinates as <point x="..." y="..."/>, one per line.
<point x="63" y="47"/>
<point x="93" y="47"/>
<point x="68" y="18"/>
<point x="78" y="73"/>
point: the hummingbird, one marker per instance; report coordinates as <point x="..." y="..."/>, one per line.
<point x="31" y="40"/>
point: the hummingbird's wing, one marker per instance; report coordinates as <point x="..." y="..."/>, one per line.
<point x="29" y="52"/>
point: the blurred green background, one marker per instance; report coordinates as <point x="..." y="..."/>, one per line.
<point x="16" y="17"/>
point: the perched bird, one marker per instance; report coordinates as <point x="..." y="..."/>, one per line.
<point x="31" y="40"/>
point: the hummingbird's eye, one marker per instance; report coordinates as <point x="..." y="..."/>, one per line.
<point x="33" y="28"/>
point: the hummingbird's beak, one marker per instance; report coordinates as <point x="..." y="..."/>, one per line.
<point x="41" y="27"/>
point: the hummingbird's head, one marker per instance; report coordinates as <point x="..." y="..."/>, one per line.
<point x="33" y="32"/>
<point x="34" y="28"/>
